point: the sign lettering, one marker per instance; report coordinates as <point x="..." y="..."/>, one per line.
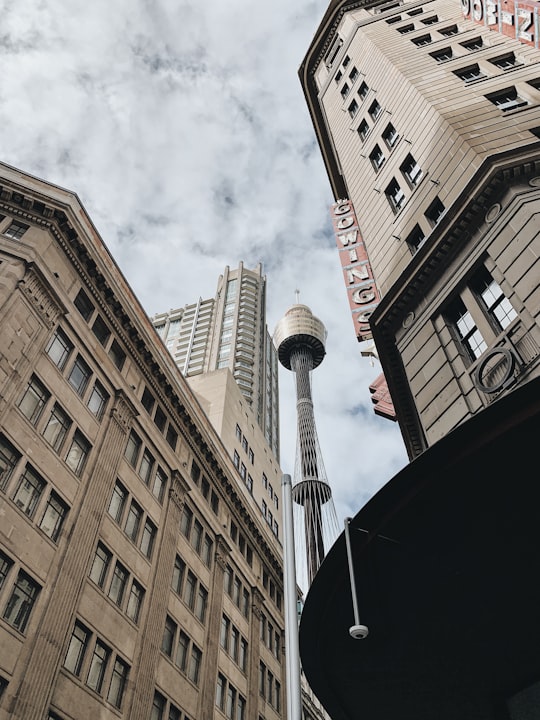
<point x="518" y="19"/>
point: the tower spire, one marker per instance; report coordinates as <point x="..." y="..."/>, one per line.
<point x="300" y="339"/>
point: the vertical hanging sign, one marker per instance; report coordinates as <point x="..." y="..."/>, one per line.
<point x="361" y="288"/>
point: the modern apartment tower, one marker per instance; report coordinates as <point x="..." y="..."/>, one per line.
<point x="428" y="119"/>
<point x="300" y="340"/>
<point x="229" y="331"/>
<point x="138" y="578"/>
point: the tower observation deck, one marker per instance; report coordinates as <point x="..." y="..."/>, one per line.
<point x="300" y="340"/>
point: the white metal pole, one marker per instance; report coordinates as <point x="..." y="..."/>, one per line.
<point x="294" y="693"/>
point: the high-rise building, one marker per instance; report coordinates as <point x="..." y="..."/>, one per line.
<point x="428" y="119"/>
<point x="229" y="331"/>
<point x="138" y="579"/>
<point x="428" y="123"/>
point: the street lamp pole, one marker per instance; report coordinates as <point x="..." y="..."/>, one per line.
<point x="292" y="654"/>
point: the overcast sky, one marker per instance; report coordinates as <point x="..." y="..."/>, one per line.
<point x="182" y="128"/>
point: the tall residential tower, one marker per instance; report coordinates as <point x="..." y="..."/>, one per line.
<point x="229" y="331"/>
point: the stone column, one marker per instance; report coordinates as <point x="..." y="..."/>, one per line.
<point x="211" y="646"/>
<point x="254" y="653"/>
<point x="150" y="637"/>
<point x="39" y="662"/>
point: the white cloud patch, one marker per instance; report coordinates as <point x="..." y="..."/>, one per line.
<point x="182" y="128"/>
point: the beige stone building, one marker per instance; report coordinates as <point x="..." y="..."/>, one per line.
<point x="138" y="578"/>
<point x="429" y="126"/>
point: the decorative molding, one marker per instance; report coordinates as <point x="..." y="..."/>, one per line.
<point x="123" y="410"/>
<point x="38" y="293"/>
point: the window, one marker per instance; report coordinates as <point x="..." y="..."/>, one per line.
<point x="98" y="665"/>
<point x="394" y="195"/>
<point x="21" y="602"/>
<point x="470" y="73"/>
<point x="76" y="649"/>
<point x="135" y="599"/>
<point x="363" y="130"/>
<point x="474" y="44"/>
<point x="435" y="211"/>
<point x="182" y="651"/>
<point x="194" y="664"/>
<point x="393" y="20"/>
<point x="147" y="400"/>
<point x="449" y="31"/>
<point x="16" y="230"/>
<point x="169" y="636"/>
<point x="236" y="459"/>
<point x="416" y="11"/>
<point x="8" y="460"/>
<point x="430" y="20"/>
<point x="230" y="702"/>
<point x="100" y="330"/>
<point x="33" y="401"/>
<point x="377" y="157"/>
<point x="415" y="239"/>
<point x="338" y="76"/>
<point x="146" y="466"/>
<point x="5" y="566"/>
<point x="79" y="375"/>
<point x="346" y="61"/>
<point x="224" y="635"/>
<point x="186" y="521"/>
<point x="390" y="135"/>
<point x="118" y="584"/>
<point x="353" y="108"/>
<point x="497" y="306"/>
<point x="118" y="501"/>
<point x="190" y="589"/>
<point x="363" y="90"/>
<point x="158" y="707"/>
<point x="375" y="110"/>
<point x="118" y="683"/>
<point x="422" y="40"/>
<point x="442" y="55"/>
<point x="505" y="62"/>
<point x="406" y="29"/>
<point x="178" y="575"/>
<point x="54" y="516"/>
<point x="220" y="691"/>
<point x="412" y="171"/>
<point x="57" y="426"/>
<point x="117" y="355"/>
<point x="251" y="456"/>
<point x="345" y="90"/>
<point x="159" y="484"/>
<point x="84" y="305"/>
<point x="78" y="453"/>
<point x="160" y="419"/>
<point x="148" y="538"/>
<point x="29" y="491"/>
<point x="207" y="548"/>
<point x="133" y="521"/>
<point x="197" y="536"/>
<point x="463" y="323"/>
<point x="172" y="436"/>
<point x="59" y="349"/>
<point x="98" y="400"/>
<point x="200" y="603"/>
<point x="100" y="565"/>
<point x="133" y="448"/>
<point x="353" y="75"/>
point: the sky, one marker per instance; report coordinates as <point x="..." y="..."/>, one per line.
<point x="182" y="128"/>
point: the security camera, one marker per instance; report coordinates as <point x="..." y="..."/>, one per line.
<point x="359" y="632"/>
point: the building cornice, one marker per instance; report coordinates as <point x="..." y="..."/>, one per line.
<point x="448" y="240"/>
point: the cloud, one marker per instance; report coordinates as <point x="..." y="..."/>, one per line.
<point x="182" y="128"/>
